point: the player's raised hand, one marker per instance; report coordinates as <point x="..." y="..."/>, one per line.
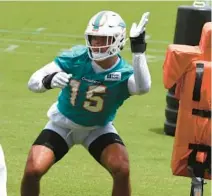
<point x="60" y="80"/>
<point x="137" y="34"/>
<point x="137" y="30"/>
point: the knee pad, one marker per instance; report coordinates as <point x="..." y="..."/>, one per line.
<point x="100" y="143"/>
<point x="53" y="141"/>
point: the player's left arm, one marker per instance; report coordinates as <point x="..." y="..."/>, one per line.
<point x="139" y="82"/>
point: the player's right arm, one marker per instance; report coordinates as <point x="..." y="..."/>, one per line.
<point x="57" y="74"/>
<point x="48" y="77"/>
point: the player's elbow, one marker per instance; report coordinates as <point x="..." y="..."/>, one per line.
<point x="32" y="86"/>
<point x="144" y="90"/>
<point x="35" y="85"/>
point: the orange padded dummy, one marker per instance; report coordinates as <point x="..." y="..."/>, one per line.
<point x="189" y="67"/>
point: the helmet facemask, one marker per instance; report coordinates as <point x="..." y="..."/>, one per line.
<point x="113" y="45"/>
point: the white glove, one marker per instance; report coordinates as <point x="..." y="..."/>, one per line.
<point x="137" y="35"/>
<point x="60" y="80"/>
<point x="137" y="30"/>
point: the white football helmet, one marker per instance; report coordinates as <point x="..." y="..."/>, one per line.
<point x="109" y="24"/>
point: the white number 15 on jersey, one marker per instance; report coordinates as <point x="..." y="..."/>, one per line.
<point x="93" y="103"/>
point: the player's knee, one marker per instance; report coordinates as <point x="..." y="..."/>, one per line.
<point x="119" y="167"/>
<point x="34" y="170"/>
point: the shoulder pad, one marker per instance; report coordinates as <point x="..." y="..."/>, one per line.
<point x="75" y="52"/>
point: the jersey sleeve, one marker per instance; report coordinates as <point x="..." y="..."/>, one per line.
<point x="67" y="59"/>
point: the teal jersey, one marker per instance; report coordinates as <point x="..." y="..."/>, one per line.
<point x="91" y="98"/>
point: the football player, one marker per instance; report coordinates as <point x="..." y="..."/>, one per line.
<point x="94" y="81"/>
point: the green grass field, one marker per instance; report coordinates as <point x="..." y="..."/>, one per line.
<point x="31" y="35"/>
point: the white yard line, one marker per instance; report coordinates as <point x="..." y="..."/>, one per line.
<point x="127" y="49"/>
<point x="25" y="53"/>
<point x="39" y="30"/>
<point x="11" y="48"/>
<point x="45" y="34"/>
<point x="150" y="58"/>
<point x="35" y="32"/>
<point x="38" y="42"/>
<point x="34" y="42"/>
